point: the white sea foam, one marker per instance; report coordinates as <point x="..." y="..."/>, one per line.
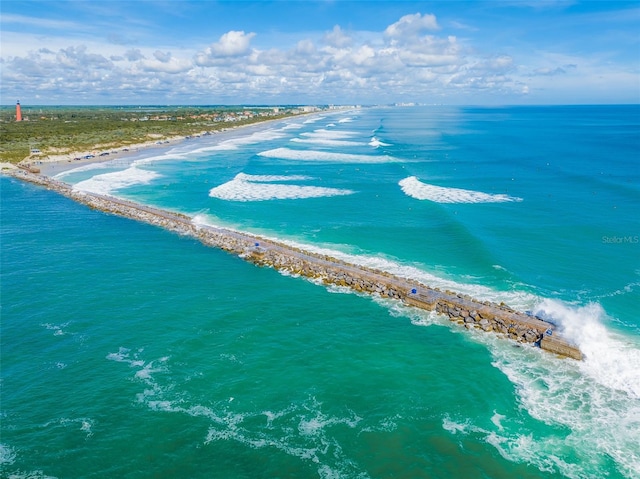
<point x="272" y="178"/>
<point x="326" y="142"/>
<point x="377" y="143"/>
<point x="58" y="330"/>
<point x="324" y="156"/>
<point x="7" y="454"/>
<point x="330" y="134"/>
<point x="300" y="430"/>
<point x="84" y="424"/>
<point x="414" y="188"/>
<point x="168" y="156"/>
<point x="313" y="120"/>
<point x="88" y="167"/>
<point x="597" y="400"/>
<point x="292" y="126"/>
<point x="262" y="188"/>
<point x="610" y="359"/>
<point x="109" y="182"/>
<point x="239" y="142"/>
<point x="345" y="120"/>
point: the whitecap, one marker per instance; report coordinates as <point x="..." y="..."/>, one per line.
<point x="377" y="143"/>
<point x="262" y="188"/>
<point x="326" y="142"/>
<point x="414" y="188"/>
<point x="107" y="183"/>
<point x="324" y="156"/>
<point x="330" y="134"/>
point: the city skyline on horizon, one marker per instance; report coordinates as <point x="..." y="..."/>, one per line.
<point x="319" y="52"/>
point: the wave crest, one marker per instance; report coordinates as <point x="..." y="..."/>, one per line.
<point x="261" y="188"/>
<point x="414" y="188"/>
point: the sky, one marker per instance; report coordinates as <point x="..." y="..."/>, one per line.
<point x="190" y="52"/>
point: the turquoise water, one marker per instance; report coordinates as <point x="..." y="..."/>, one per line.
<point x="128" y="351"/>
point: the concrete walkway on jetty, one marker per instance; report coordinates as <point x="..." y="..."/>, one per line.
<point x="462" y="309"/>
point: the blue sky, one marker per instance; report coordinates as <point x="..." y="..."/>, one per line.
<point x="319" y="52"/>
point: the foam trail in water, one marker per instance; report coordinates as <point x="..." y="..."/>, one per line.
<point x="261" y="188"/>
<point x="302" y="430"/>
<point x="413" y="187"/>
<point x="107" y="183"/>
<point x="324" y="156"/>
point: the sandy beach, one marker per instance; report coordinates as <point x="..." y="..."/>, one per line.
<point x="53" y="164"/>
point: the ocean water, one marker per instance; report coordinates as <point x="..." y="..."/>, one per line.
<point x="129" y="351"/>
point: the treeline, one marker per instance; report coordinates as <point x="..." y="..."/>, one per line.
<point x="55" y="130"/>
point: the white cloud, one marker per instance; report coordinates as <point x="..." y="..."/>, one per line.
<point x="231" y="44"/>
<point x="163" y="57"/>
<point x="337" y="38"/>
<point x="133" y="55"/>
<point x="78" y="58"/>
<point x="165" y="64"/>
<point x="412" y="25"/>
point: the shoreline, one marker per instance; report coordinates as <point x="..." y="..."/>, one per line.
<point x="61" y="162"/>
<point x="462" y="309"/>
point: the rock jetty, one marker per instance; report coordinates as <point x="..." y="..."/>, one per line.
<point x="462" y="309"/>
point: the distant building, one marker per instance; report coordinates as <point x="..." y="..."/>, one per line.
<point x="18" y="112"/>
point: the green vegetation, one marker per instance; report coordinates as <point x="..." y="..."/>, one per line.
<point x="60" y="130"/>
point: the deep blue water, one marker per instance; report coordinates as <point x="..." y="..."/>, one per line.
<point x="132" y="352"/>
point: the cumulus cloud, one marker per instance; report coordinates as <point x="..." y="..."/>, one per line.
<point x="79" y="58"/>
<point x="163" y="57"/>
<point x="133" y="55"/>
<point x="233" y="43"/>
<point x="166" y="64"/>
<point x="338" y="38"/>
<point x="412" y="25"/>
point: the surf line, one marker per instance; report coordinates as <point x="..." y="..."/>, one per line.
<point x="462" y="309"/>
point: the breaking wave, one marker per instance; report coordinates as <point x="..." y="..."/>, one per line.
<point x="324" y="156"/>
<point x="245" y="187"/>
<point x="414" y="188"/>
<point x="377" y="143"/>
<point x="107" y="183"/>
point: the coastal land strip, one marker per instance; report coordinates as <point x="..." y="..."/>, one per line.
<point x="462" y="309"/>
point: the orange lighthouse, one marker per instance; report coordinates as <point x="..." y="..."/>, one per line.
<point x="18" y="112"/>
